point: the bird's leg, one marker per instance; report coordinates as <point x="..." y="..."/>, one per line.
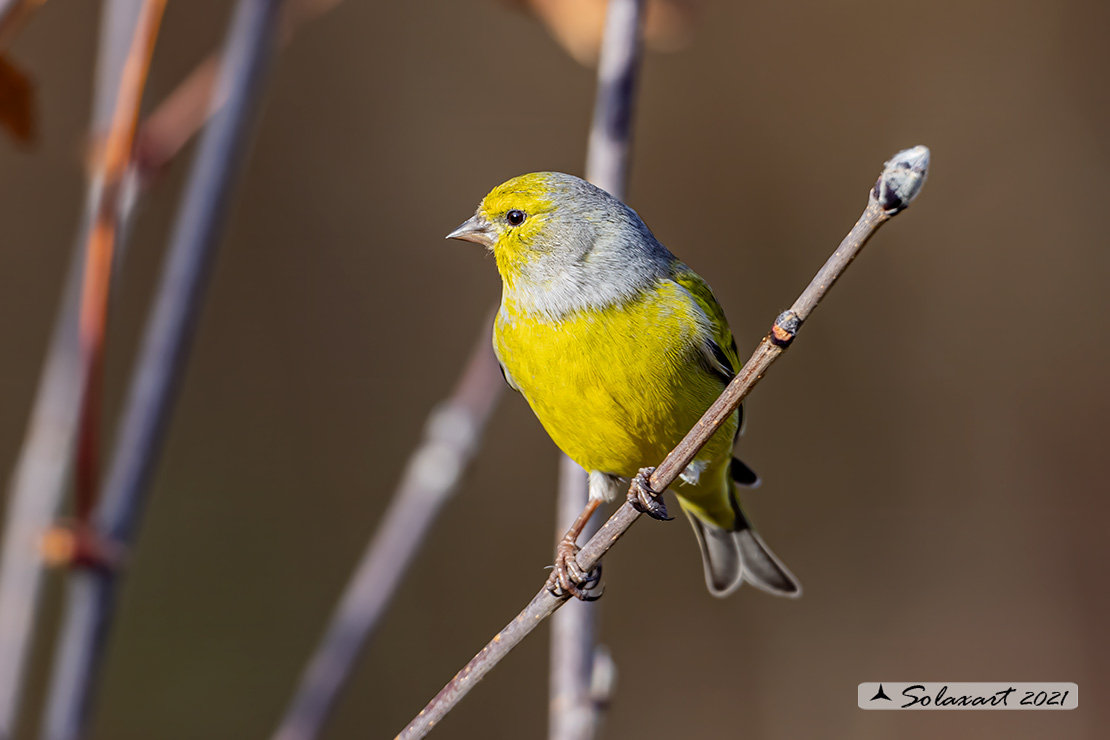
<point x="644" y="499"/>
<point x="566" y="576"/>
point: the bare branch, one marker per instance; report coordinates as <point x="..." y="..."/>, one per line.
<point x="899" y="183"/>
<point x="611" y="130"/>
<point x="572" y="712"/>
<point x="108" y="192"/>
<point x="37" y="484"/>
<point x="161" y="361"/>
<point x="450" y="440"/>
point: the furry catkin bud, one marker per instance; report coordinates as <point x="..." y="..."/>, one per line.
<point x="902" y="179"/>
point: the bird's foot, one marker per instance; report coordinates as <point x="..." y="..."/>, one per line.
<point x="644" y="499"/>
<point x="567" y="578"/>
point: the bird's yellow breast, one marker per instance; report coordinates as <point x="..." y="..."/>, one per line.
<point x="618" y="387"/>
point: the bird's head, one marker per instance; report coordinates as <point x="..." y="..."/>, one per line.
<point x="542" y="217"/>
<point x="551" y="232"/>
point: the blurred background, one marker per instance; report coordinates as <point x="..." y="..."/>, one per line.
<point x="932" y="450"/>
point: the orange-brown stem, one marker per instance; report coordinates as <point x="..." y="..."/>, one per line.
<point x="96" y="285"/>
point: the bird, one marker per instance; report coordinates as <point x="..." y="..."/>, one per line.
<point x="619" y="348"/>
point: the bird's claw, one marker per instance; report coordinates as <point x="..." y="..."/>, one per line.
<point x="568" y="578"/>
<point x="644" y="499"/>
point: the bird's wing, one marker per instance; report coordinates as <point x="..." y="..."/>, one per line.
<point x="743" y="475"/>
<point x="720" y="350"/>
<point x="722" y="358"/>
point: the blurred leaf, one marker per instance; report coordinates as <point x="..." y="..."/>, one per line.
<point x="17" y="94"/>
<point x="17" y="102"/>
<point x="578" y="24"/>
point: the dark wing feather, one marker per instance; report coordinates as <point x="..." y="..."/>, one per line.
<point x="742" y="474"/>
<point x="722" y="367"/>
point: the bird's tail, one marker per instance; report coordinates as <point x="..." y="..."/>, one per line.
<point x="737" y="554"/>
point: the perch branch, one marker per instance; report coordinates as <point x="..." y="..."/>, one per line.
<point x="161" y="362"/>
<point x="574" y="710"/>
<point x="899" y="183"/>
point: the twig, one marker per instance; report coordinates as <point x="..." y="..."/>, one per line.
<point x="168" y="129"/>
<point x="92" y="594"/>
<point x="573" y="711"/>
<point x="108" y="189"/>
<point x="899" y="183"/>
<point x="182" y="114"/>
<point x="611" y="130"/>
<point x="38" y="479"/>
<point x="450" y="439"/>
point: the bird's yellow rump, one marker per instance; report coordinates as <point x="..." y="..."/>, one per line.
<point x="619" y="348"/>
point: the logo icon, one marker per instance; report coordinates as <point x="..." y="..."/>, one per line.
<point x="881" y="694"/>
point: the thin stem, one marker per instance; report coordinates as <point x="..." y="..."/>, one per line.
<point x="907" y="168"/>
<point x="161" y="361"/>
<point x="450" y="440"/>
<point x="617" y="69"/>
<point x="185" y="111"/>
<point x="99" y="252"/>
<point x="38" y="479"/>
<point x="574" y="713"/>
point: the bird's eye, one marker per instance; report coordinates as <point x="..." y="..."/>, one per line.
<point x="515" y="217"/>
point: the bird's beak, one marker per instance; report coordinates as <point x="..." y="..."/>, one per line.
<point x="475" y="229"/>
